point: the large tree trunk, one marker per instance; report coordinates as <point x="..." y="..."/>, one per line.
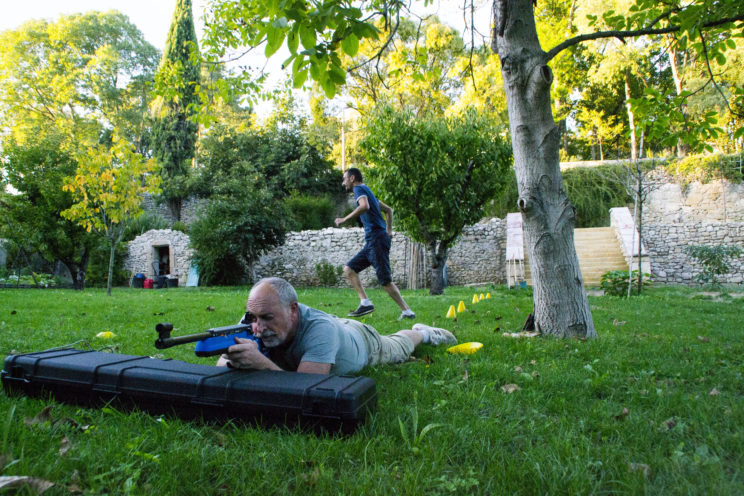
<point x="561" y="305"/>
<point x="437" y="259"/>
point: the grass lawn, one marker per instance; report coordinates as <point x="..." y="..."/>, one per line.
<point x="654" y="406"/>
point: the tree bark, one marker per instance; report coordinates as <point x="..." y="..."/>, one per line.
<point x="437" y="257"/>
<point x="631" y="119"/>
<point x="561" y="306"/>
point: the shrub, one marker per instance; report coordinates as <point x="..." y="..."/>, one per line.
<point x="615" y="282"/>
<point x="97" y="275"/>
<point x="310" y="212"/>
<point x="180" y="226"/>
<point x="714" y="259"/>
<point x="145" y="222"/>
<point x="327" y="273"/>
<point x="232" y="232"/>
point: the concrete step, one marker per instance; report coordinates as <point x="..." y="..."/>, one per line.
<point x="598" y="251"/>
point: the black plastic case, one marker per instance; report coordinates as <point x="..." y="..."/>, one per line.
<point x="191" y="390"/>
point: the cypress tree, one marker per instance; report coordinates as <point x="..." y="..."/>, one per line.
<point x="174" y="133"/>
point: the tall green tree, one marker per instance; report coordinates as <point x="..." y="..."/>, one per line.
<point x="438" y="173"/>
<point x="31" y="216"/>
<point x="63" y="86"/>
<point x="174" y="132"/>
<point x="325" y="30"/>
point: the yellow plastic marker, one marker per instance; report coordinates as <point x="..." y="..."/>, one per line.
<point x="461" y="307"/>
<point x="451" y="314"/>
<point x="466" y="348"/>
<point x="475" y="298"/>
<point x="105" y="335"/>
<point x="488" y="296"/>
<point x="480" y="297"/>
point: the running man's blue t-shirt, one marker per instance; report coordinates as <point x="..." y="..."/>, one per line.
<point x="372" y="219"/>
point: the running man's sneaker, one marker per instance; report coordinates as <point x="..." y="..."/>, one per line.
<point x="407" y="314"/>
<point x="435" y="335"/>
<point x="362" y="310"/>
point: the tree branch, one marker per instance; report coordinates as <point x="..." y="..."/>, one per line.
<point x="633" y="34"/>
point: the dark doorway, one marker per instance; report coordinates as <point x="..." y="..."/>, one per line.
<point x="162" y="254"/>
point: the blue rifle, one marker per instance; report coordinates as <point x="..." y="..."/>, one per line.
<point x="212" y="342"/>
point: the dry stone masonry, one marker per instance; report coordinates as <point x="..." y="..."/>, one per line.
<point x="478" y="256"/>
<point x="153" y="246"/>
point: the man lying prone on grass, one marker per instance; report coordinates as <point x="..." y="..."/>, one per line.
<point x="304" y="339"/>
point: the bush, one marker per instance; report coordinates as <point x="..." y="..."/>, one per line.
<point x="327" y="273"/>
<point x="310" y="212"/>
<point x="615" y="282"/>
<point x="180" y="226"/>
<point x="145" y="222"/>
<point x="232" y="232"/>
<point x="97" y="274"/>
<point x="714" y="259"/>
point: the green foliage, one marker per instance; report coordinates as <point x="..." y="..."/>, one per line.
<point x="74" y="77"/>
<point x="180" y="226"/>
<point x="706" y="168"/>
<point x="327" y="273"/>
<point x="310" y="212"/>
<point x="714" y="259"/>
<point x="593" y="192"/>
<point x="174" y="132"/>
<point x="143" y="223"/>
<point x="32" y="218"/>
<point x="232" y="231"/>
<point x="98" y="268"/>
<point x="436" y="173"/>
<point x="615" y="282"/>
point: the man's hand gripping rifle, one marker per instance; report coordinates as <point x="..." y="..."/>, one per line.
<point x="213" y="341"/>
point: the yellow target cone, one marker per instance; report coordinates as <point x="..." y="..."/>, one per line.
<point x="480" y="297"/>
<point x="461" y="307"/>
<point x="451" y="314"/>
<point x="488" y="296"/>
<point x="105" y="335"/>
<point x="475" y="298"/>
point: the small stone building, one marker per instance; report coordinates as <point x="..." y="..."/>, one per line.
<point x="160" y="252"/>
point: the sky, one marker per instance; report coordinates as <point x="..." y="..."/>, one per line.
<point x="153" y="18"/>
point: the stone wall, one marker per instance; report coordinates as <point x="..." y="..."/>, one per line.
<point x="713" y="202"/>
<point x="477" y="257"/>
<point x="666" y="244"/>
<point x="142" y="253"/>
<point x="189" y="209"/>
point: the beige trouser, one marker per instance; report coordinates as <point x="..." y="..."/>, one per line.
<point x="395" y="348"/>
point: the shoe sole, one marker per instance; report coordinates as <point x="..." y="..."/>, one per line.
<point x="355" y="314"/>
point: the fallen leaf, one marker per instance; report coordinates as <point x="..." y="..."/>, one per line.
<point x="640" y="467"/>
<point x="497" y="329"/>
<point x="714" y="392"/>
<point x="618" y="322"/>
<point x="428" y="360"/>
<point x="158" y="313"/>
<point x="64" y="446"/>
<point x="13" y="312"/>
<point x="622" y="415"/>
<point x="510" y="388"/>
<point x="517" y="368"/>
<point x="40" y="418"/>
<point x="20" y="482"/>
<point x="533" y="362"/>
<point x="74" y="489"/>
<point x="498" y="317"/>
<point x="210" y="309"/>
<point x="476" y="322"/>
<point x="465" y="376"/>
<point x="704" y="339"/>
<point x="516" y="309"/>
<point x="701" y="379"/>
<point x="535" y="373"/>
